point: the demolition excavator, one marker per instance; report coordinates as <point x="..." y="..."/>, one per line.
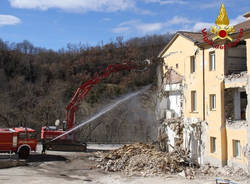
<point x="68" y="142"/>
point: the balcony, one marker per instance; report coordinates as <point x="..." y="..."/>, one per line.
<point x="236" y="80"/>
<point x="235" y="124"/>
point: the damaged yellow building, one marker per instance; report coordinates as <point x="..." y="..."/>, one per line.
<point x="215" y="95"/>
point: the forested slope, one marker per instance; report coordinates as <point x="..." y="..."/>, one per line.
<point x="36" y="84"/>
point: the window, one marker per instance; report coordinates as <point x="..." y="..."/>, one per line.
<point x="236" y="148"/>
<point x="23" y="135"/>
<point x="32" y="135"/>
<point x="192" y="64"/>
<point x="212" y="102"/>
<point x="193" y="101"/>
<point x="212" y="61"/>
<point x="177" y="66"/>
<point x="212" y="144"/>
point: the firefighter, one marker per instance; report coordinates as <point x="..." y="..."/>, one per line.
<point x="44" y="148"/>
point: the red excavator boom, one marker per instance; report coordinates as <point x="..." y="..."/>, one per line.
<point x="85" y="87"/>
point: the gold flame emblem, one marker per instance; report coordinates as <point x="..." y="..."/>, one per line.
<point x="222" y="30"/>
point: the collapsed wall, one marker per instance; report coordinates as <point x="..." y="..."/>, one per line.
<point x="175" y="131"/>
<point x="194" y="137"/>
<point x="170" y="134"/>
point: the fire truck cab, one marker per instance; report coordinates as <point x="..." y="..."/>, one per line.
<point x="18" y="140"/>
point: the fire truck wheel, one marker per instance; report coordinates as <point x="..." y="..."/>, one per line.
<point x="24" y="153"/>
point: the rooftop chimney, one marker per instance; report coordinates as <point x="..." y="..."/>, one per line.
<point x="247" y="15"/>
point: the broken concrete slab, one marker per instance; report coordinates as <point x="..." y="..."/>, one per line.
<point x="236" y="80"/>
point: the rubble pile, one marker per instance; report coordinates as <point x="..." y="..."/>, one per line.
<point x="145" y="160"/>
<point x="226" y="171"/>
<point x="231" y="171"/>
<point x="207" y="170"/>
<point x="176" y="125"/>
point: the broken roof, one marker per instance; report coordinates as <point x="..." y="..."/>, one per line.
<point x="193" y="36"/>
<point x="197" y="37"/>
<point x="172" y="77"/>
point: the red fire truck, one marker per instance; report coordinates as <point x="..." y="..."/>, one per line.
<point x="18" y="140"/>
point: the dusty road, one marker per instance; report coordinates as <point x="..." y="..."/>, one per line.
<point x="76" y="168"/>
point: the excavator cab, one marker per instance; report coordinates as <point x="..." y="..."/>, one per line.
<point x="65" y="143"/>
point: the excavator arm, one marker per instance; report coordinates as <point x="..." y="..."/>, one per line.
<point x="85" y="87"/>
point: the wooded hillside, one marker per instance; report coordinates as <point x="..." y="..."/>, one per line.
<point x="36" y="84"/>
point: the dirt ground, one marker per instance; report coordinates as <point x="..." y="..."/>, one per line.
<point x="74" y="168"/>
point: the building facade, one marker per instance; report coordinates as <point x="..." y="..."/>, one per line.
<point x="215" y="94"/>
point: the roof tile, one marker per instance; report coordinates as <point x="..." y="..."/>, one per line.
<point x="197" y="36"/>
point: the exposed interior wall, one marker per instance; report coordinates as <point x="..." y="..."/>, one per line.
<point x="171" y="136"/>
<point x="174" y="130"/>
<point x="235" y="104"/>
<point x="193" y="139"/>
<point x="162" y="105"/>
<point x="179" y="54"/>
<point x="182" y="50"/>
<point x="243" y="104"/>
<point x="173" y="111"/>
<point x="236" y="59"/>
<point x="174" y="103"/>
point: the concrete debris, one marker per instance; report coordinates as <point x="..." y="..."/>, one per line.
<point x="176" y="124"/>
<point x="226" y="171"/>
<point x="170" y="134"/>
<point x="236" y="123"/>
<point x="207" y="170"/>
<point x="231" y="171"/>
<point x="144" y="160"/>
<point x="236" y="76"/>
